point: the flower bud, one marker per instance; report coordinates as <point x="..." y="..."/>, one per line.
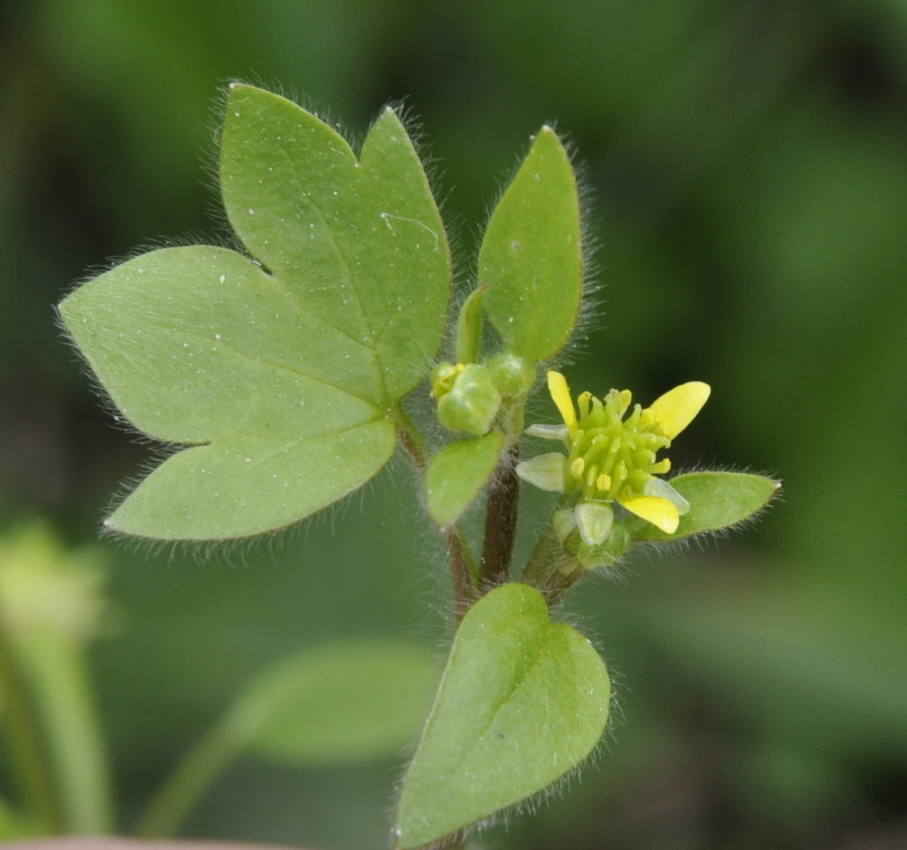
<point x="467" y="398"/>
<point x="594" y="520"/>
<point x="443" y="378"/>
<point x="512" y="375"/>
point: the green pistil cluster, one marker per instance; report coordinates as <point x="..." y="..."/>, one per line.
<point x="608" y="452"/>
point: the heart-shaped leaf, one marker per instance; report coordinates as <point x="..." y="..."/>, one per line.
<point x="531" y="257"/>
<point x="522" y="701"/>
<point x="457" y="474"/>
<point x="717" y="500"/>
<point x="282" y="376"/>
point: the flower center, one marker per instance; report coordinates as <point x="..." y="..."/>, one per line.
<point x="608" y="452"/>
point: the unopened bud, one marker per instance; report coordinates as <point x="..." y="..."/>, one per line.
<point x="512" y="375"/>
<point x="471" y="402"/>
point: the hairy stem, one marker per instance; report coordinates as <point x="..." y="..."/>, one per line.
<point x="501" y="520"/>
<point x="543" y="558"/>
<point x="550" y="569"/>
<point x="464" y="586"/>
<point x="411" y="438"/>
<point x="562" y="578"/>
<point x="462" y="569"/>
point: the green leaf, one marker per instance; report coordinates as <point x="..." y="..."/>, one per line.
<point x="51" y="604"/>
<point x="523" y="701"/>
<point x="337" y="703"/>
<point x="360" y="242"/>
<point x="457" y="474"/>
<point x="280" y="378"/>
<point x="469" y="328"/>
<point x="531" y="258"/>
<point x="717" y="500"/>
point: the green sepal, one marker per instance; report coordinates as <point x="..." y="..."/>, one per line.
<point x="531" y="257"/>
<point x="469" y="328"/>
<point x="522" y="702"/>
<point x="604" y="554"/>
<point x="718" y="500"/>
<point x="457" y="474"/>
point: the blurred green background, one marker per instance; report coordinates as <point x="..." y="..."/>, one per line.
<point x="746" y="166"/>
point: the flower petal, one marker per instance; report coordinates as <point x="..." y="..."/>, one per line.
<point x="547" y="472"/>
<point x="677" y="408"/>
<point x="594" y="520"/>
<point x="560" y="392"/>
<point x="660" y="512"/>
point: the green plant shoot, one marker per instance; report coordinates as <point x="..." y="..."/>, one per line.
<point x="281" y="375"/>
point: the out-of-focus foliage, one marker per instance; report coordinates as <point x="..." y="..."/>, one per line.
<point x="746" y="164"/>
<point x="51" y="604"/>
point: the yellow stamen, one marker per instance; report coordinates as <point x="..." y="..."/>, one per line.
<point x="625" y="398"/>
<point x="577" y="467"/>
<point x="603" y="482"/>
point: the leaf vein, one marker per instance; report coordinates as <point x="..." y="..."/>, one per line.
<point x="334" y="243"/>
<point x="517" y="685"/>
<point x="276" y="365"/>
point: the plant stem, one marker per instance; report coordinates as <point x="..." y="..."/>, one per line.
<point x="501" y="520"/>
<point x="31" y="766"/>
<point x="460" y="572"/>
<point x="541" y="562"/>
<point x="460" y="559"/>
<point x="193" y="775"/>
<point x="57" y="667"/>
<point x="411" y="438"/>
<point x="544" y="568"/>
<point x="559" y="582"/>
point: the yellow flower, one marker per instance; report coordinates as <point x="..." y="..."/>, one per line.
<point x="612" y="458"/>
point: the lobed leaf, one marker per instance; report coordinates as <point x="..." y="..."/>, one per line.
<point x="359" y="241"/>
<point x="522" y="701"/>
<point x="531" y="259"/>
<point x="457" y="474"/>
<point x="279" y="377"/>
<point x="717" y="500"/>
